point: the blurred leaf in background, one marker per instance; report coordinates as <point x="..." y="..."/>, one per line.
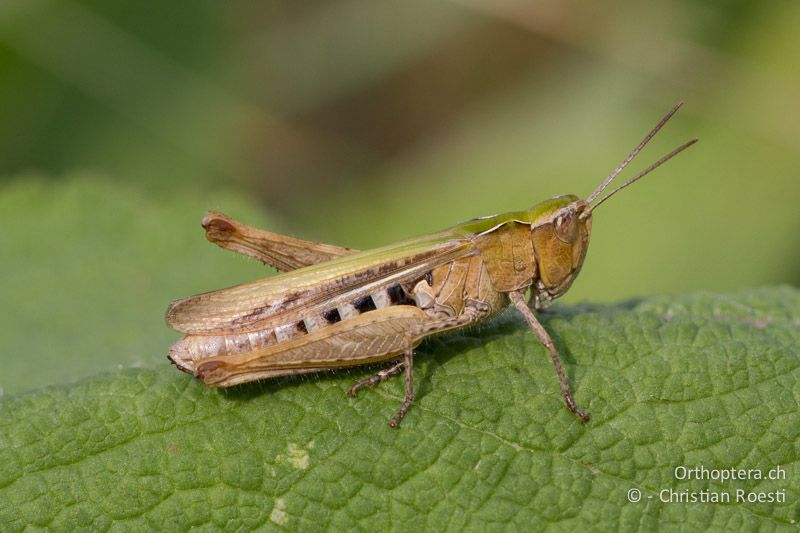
<point x="93" y="264"/>
<point x="361" y="123"/>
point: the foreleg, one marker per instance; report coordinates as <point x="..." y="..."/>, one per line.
<point x="517" y="298"/>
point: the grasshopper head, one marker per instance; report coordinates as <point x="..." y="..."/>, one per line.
<point x="560" y="238"/>
<point x="561" y="226"/>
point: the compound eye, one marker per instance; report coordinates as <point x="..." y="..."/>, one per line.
<point x="566" y="226"/>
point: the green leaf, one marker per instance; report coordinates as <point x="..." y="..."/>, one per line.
<point x="704" y="380"/>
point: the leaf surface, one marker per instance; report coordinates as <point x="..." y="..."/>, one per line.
<point x="703" y="380"/>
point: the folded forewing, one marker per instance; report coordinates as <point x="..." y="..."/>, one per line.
<point x="285" y="298"/>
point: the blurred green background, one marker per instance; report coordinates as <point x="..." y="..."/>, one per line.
<point x="360" y="123"/>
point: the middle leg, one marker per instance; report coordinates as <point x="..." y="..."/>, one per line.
<point x="383" y="375"/>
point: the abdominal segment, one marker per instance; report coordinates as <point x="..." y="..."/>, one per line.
<point x="368" y="338"/>
<point x="188" y="352"/>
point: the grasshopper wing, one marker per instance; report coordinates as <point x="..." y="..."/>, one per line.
<point x="307" y="292"/>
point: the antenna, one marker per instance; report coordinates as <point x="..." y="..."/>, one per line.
<point x="643" y="173"/>
<point x="633" y="154"/>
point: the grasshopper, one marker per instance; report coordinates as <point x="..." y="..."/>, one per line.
<point x="334" y="307"/>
